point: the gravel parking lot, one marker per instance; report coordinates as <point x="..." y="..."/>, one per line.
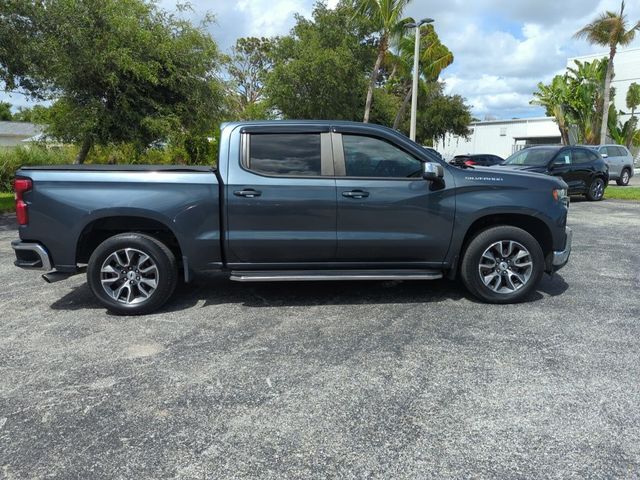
<point x="381" y="379"/>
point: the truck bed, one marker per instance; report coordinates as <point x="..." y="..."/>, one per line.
<point x="124" y="168"/>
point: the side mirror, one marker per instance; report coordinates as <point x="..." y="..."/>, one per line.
<point x="432" y="171"/>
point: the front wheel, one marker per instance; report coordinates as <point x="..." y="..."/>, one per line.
<point x="502" y="265"/>
<point x="596" y="190"/>
<point x="132" y="273"/>
<point x="625" y="176"/>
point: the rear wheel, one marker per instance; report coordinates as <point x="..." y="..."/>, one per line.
<point x="502" y="265"/>
<point x="132" y="273"/>
<point x="595" y="191"/>
<point x="625" y="176"/>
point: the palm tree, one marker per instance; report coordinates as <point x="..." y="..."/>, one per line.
<point x="554" y="98"/>
<point x="609" y="30"/>
<point x="386" y="16"/>
<point x="633" y="98"/>
<point x="434" y="57"/>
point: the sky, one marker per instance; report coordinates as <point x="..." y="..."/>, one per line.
<point x="501" y="48"/>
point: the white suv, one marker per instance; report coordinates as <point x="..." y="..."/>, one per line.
<point x="619" y="160"/>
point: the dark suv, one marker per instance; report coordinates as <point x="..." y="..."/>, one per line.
<point x="584" y="171"/>
<point x="482" y="160"/>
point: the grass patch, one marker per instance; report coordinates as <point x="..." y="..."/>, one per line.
<point x="622" y="193"/>
<point x="6" y="202"/>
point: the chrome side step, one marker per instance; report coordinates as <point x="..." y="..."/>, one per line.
<point x="331" y="275"/>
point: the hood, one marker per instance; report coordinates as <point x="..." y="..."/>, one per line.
<point x="517" y="175"/>
<point x="523" y="168"/>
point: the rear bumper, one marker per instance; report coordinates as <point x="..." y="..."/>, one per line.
<point x="561" y="257"/>
<point x="31" y="255"/>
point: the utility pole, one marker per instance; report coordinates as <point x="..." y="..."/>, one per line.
<point x="416" y="75"/>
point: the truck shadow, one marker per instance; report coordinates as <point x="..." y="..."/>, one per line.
<point x="212" y="290"/>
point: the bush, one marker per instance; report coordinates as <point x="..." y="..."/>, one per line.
<point x="13" y="158"/>
<point x="194" y="151"/>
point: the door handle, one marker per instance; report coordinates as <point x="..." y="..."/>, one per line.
<point x="355" y="194"/>
<point x="248" y="193"/>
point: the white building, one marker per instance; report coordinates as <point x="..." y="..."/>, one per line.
<point x="501" y="137"/>
<point x="626" y="69"/>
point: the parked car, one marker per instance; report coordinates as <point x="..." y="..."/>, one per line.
<point x="483" y="160"/>
<point x="292" y="201"/>
<point x="584" y="171"/>
<point x="619" y="160"/>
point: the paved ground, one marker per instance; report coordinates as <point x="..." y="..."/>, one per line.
<point x="383" y="380"/>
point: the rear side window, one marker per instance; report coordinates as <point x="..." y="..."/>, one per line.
<point x="372" y="157"/>
<point x="581" y="156"/>
<point x="621" y="152"/>
<point x="285" y="154"/>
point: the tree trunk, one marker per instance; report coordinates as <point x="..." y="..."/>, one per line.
<point x="607" y="95"/>
<point x="403" y="109"/>
<point x="374" y="78"/>
<point x="84" y="150"/>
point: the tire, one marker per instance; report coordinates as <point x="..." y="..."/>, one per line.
<point x="595" y="191"/>
<point x="132" y="274"/>
<point x="625" y="176"/>
<point x="476" y="265"/>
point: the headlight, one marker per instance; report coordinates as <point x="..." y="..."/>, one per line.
<point x="560" y="195"/>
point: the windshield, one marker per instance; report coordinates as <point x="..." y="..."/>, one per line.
<point x="538" y="157"/>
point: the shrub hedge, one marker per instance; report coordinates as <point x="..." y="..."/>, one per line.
<point x="194" y="152"/>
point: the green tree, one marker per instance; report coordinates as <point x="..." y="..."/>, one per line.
<point x="386" y="17"/>
<point x="554" y="98"/>
<point x="319" y="69"/>
<point x="633" y="98"/>
<point x="5" y="111"/>
<point x="117" y="70"/>
<point x="439" y="114"/>
<point x="622" y="133"/>
<point x="247" y="66"/>
<point x="35" y="114"/>
<point x="585" y="93"/>
<point x="434" y="57"/>
<point x="610" y="30"/>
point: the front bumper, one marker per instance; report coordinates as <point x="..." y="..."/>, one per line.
<point x="560" y="258"/>
<point x="31" y="255"/>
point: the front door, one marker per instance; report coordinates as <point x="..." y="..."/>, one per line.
<point x="387" y="214"/>
<point x="281" y="200"/>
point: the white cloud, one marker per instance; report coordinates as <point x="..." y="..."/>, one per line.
<point x="502" y="48"/>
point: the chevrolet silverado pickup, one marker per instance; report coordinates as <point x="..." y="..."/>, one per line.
<point x="292" y="201"/>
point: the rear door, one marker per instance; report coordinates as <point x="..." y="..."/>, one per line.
<point x="281" y="197"/>
<point x="582" y="168"/>
<point x="387" y="214"/>
<point x="613" y="161"/>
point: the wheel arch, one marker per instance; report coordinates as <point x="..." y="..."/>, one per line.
<point x="536" y="227"/>
<point x="101" y="228"/>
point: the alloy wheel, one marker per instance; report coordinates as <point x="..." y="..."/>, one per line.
<point x="129" y="276"/>
<point x="505" y="266"/>
<point x="597" y="189"/>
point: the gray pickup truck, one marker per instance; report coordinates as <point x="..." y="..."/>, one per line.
<point x="292" y="201"/>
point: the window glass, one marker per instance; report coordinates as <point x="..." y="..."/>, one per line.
<point x="285" y="154"/>
<point x="620" y="152"/>
<point x="612" y="151"/>
<point x="536" y="157"/>
<point x="581" y="156"/>
<point x="563" y="158"/>
<point x="595" y="156"/>
<point x="371" y="157"/>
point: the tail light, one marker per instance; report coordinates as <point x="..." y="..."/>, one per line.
<point x="20" y="187"/>
<point x="470" y="162"/>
